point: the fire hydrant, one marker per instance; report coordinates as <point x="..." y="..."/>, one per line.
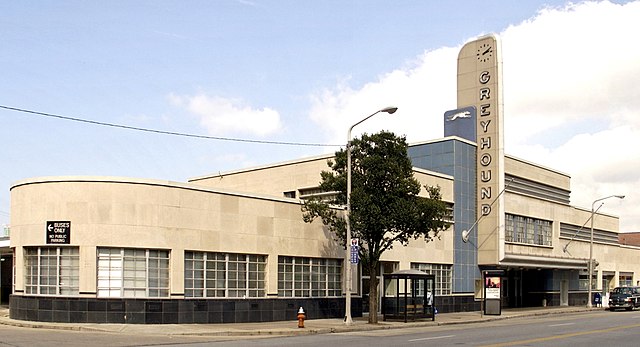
<point x="301" y="318"/>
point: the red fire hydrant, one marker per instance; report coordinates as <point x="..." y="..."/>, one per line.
<point x="301" y="318"/>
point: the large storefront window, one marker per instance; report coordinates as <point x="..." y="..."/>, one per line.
<point x="133" y="273"/>
<point x="527" y="230"/>
<point x="309" y="277"/>
<point x="442" y="274"/>
<point x="212" y="275"/>
<point x="51" y="270"/>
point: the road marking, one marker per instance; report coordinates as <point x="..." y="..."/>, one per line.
<point x="563" y="336"/>
<point x="561" y="325"/>
<point x="432" y="338"/>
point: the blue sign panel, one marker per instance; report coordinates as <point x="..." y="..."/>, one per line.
<point x="355" y="258"/>
<point x="461" y="123"/>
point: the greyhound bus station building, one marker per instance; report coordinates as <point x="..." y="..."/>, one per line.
<point x="233" y="247"/>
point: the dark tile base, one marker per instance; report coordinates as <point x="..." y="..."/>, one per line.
<point x="553" y="299"/>
<point x="172" y="311"/>
<point x="447" y="304"/>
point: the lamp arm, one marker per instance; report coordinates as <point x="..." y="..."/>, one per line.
<point x="465" y="233"/>
<point x="564" y="249"/>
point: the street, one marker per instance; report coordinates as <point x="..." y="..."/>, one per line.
<point x="597" y="328"/>
<point x="601" y="328"/>
<point x="38" y="337"/>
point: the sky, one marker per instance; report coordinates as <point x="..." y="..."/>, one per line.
<point x="265" y="81"/>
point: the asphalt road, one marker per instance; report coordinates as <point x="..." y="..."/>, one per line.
<point x="596" y="328"/>
<point x="37" y="337"/>
<point x="601" y="328"/>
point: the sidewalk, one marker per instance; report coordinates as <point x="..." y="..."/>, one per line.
<point x="286" y="328"/>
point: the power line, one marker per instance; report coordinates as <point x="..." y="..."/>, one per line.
<point x="51" y="115"/>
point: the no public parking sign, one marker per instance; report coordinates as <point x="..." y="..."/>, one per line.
<point x="58" y="232"/>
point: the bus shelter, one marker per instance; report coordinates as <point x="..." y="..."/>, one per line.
<point x="408" y="295"/>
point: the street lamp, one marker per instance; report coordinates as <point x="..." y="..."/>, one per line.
<point x="348" y="320"/>
<point x="589" y="304"/>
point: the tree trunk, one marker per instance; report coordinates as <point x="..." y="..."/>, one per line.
<point x="373" y="295"/>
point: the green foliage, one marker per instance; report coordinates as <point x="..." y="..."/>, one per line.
<point x="385" y="206"/>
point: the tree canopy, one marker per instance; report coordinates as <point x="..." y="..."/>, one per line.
<point x="386" y="208"/>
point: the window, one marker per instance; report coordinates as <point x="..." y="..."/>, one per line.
<point x="224" y="275"/>
<point x="309" y="277"/>
<point x="133" y="273"/>
<point x="317" y="193"/>
<point x="527" y="230"/>
<point x="583" y="281"/>
<point x="51" y="270"/>
<point x="442" y="274"/>
<point x="625" y="279"/>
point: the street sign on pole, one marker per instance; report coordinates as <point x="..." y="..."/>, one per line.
<point x="355" y="250"/>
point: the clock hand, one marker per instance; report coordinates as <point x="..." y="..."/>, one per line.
<point x="487" y="51"/>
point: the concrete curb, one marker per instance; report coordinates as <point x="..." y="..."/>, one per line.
<point x="225" y="330"/>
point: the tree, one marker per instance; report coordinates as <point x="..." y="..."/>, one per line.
<point x="386" y="208"/>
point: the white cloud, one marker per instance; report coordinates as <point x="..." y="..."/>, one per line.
<point x="424" y="89"/>
<point x="222" y="116"/>
<point x="571" y="100"/>
<point x="238" y="159"/>
<point x="573" y="64"/>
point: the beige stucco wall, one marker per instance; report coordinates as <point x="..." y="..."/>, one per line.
<point x="305" y="173"/>
<point x="113" y="212"/>
<point x="136" y="213"/>
<point x="272" y="179"/>
<point x="537" y="173"/>
<point x="611" y="258"/>
<point x="299" y="174"/>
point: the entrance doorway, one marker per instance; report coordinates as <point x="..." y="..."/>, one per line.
<point x="607" y="284"/>
<point x="512" y="291"/>
<point x="384" y="267"/>
<point x="504" y="292"/>
<point x="6" y="277"/>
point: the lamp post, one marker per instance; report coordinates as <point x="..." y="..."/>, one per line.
<point x="589" y="304"/>
<point x="348" y="320"/>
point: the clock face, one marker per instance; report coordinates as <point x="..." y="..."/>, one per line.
<point x="485" y="52"/>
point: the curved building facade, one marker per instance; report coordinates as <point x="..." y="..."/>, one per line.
<point x="115" y="250"/>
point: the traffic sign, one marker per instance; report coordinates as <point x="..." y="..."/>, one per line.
<point x="355" y="250"/>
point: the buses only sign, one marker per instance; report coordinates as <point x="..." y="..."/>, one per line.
<point x="59" y="232"/>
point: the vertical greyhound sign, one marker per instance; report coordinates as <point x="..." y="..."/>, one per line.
<point x="480" y="86"/>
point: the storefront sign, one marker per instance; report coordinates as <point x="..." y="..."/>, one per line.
<point x="58" y="232"/>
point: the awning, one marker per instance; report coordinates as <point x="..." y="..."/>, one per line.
<point x="530" y="261"/>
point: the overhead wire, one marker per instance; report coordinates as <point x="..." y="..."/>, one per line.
<point x="164" y="132"/>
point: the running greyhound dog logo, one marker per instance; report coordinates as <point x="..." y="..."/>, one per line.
<point x="463" y="114"/>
